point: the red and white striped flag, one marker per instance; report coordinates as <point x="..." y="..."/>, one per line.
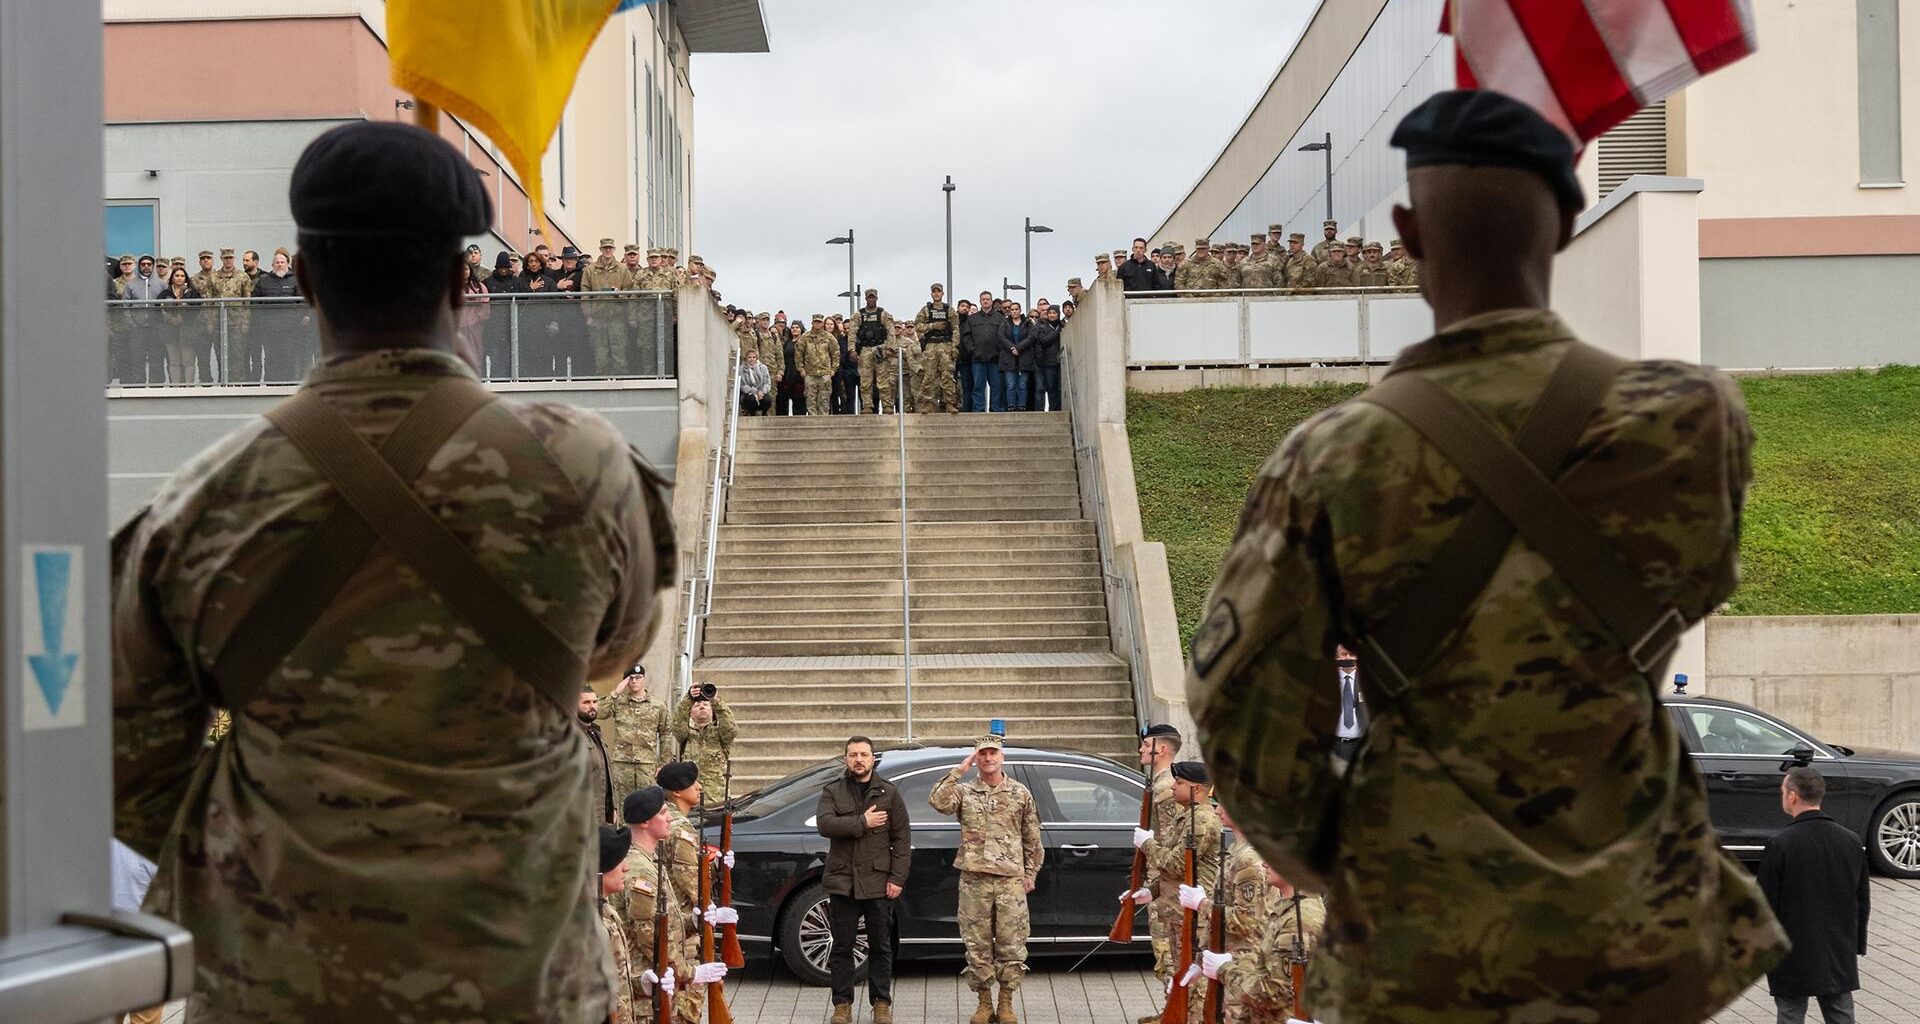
<point x="1587" y="65"/>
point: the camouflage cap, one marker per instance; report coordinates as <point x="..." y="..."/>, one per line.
<point x="1330" y="224"/>
<point x="936" y="286"/>
<point x="1296" y="237"/>
<point x="819" y="316"/>
<point x="989" y="742"/>
<point x="873" y="293"/>
<point x="692" y="260"/>
<point x="1071" y="281"/>
<point x="1102" y="257"/>
<point x="226" y="254"/>
<point x="1374" y="246"/>
<point x="1274" y="229"/>
<point x="1354" y="239"/>
<point x="127" y="257"/>
<point x="1202" y="243"/>
<point x="607" y="243"/>
<point x="1395" y="244"/>
<point x="206" y="254"/>
<point x="633" y="248"/>
<point x="1258" y="238"/>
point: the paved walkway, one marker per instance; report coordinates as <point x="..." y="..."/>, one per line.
<point x="1118" y="990"/>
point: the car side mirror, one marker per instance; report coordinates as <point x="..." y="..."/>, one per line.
<point x="1802" y="755"/>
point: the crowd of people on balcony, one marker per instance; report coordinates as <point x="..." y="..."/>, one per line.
<point x="1265" y="262"/>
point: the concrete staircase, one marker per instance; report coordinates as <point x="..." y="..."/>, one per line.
<point x="1009" y="610"/>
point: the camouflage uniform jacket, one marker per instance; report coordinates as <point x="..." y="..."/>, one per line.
<point x="683" y="873"/>
<point x="343" y="847"/>
<point x="1257" y="273"/>
<point x="1201" y="275"/>
<point x="708" y="746"/>
<point x="608" y="276"/>
<point x="1370" y="275"/>
<point x="999" y="827"/>
<point x="228" y="284"/>
<point x="947" y="319"/>
<point x="1529" y="776"/>
<point x="1319" y="250"/>
<point x="1297" y="271"/>
<point x="1403" y="273"/>
<point x="817" y="354"/>
<point x="636" y="727"/>
<point x="1248" y="896"/>
<point x="1161" y="815"/>
<point x="649" y="279"/>
<point x="1168" y="854"/>
<point x="1333" y="275"/>
<point x="614" y="928"/>
<point x="1260" y="978"/>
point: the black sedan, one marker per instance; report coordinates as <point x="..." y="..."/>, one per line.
<point x="1742" y="752"/>
<point x="1088" y="808"/>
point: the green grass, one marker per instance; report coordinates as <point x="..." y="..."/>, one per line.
<point x="1832" y="524"/>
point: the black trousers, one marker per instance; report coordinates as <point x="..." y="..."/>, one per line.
<point x="751" y="406"/>
<point x="844" y="914"/>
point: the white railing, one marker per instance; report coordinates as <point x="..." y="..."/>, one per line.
<point x="1273" y="327"/>
<point x="699" y="586"/>
<point x="1122" y="604"/>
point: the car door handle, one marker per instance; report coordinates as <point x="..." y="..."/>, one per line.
<point x="1079" y="849"/>
<point x="1729" y="776"/>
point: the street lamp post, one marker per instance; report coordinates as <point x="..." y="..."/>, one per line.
<point x="847" y="240"/>
<point x="1007" y="287"/>
<point x="1326" y="147"/>
<point x="1032" y="230"/>
<point x="948" y="189"/>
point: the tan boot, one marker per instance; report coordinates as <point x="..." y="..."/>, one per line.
<point x="882" y="1012"/>
<point x="1004" y="1014"/>
<point x="984" y="1013"/>
<point x="843" y="1013"/>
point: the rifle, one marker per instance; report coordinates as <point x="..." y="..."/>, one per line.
<point x="1297" y="963"/>
<point x="1212" y="1011"/>
<point x="1176" y="1009"/>
<point x="717" y="1012"/>
<point x="1122" y="930"/>
<point x="662" y="949"/>
<point x="730" y="953"/>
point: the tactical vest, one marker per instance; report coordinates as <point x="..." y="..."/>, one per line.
<point x="873" y="329"/>
<point x="939" y="326"/>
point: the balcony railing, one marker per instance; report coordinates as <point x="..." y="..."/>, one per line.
<point x="1273" y="327"/>
<point x="199" y="342"/>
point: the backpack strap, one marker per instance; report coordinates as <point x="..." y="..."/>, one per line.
<point x="379" y="504"/>
<point x="1516" y="493"/>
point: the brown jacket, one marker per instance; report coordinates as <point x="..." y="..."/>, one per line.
<point x="861" y="860"/>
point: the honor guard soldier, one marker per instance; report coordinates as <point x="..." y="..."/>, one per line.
<point x="935" y="384"/>
<point x="637" y="718"/>
<point x="999" y="859"/>
<point x="645" y="811"/>
<point x="1549" y="519"/>
<point x="1158" y="747"/>
<point x="680" y="780"/>
<point x="616" y="842"/>
<point x="403" y="759"/>
<point x="1191" y="813"/>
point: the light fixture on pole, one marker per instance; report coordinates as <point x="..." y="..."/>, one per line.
<point x="948" y="189"/>
<point x="1327" y="148"/>
<point x="847" y="240"/>
<point x="1032" y="230"/>
<point x="1007" y="288"/>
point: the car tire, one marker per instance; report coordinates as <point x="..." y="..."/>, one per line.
<point x="806" y="942"/>
<point x="1893" y="840"/>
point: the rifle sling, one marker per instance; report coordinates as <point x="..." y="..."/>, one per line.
<point x="1515" y="495"/>
<point x="379" y="504"/>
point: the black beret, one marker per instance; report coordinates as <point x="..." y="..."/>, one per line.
<point x="642" y="804"/>
<point x="675" y="776"/>
<point x="637" y="670"/>
<point x="385" y="179"/>
<point x="1479" y="128"/>
<point x="1163" y="729"/>
<point x="614" y="844"/>
<point x="1192" y="771"/>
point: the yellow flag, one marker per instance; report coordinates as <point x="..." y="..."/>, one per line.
<point x="505" y="66"/>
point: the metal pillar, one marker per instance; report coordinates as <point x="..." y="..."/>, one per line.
<point x="948" y="189"/>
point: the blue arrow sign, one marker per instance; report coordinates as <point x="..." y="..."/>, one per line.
<point x="53" y="669"/>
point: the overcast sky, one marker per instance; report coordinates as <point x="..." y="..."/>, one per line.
<point x="1094" y="117"/>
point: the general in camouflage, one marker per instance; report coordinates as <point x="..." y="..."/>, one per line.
<point x="998" y="860"/>
<point x="396" y="826"/>
<point x="1522" y="837"/>
<point x="709" y="744"/>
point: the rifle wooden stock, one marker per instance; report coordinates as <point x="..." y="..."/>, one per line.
<point x="730" y="952"/>
<point x="1213" y="1011"/>
<point x="1299" y="990"/>
<point x="1122" y="930"/>
<point x="717" y="1012"/>
<point x="1177" y="997"/>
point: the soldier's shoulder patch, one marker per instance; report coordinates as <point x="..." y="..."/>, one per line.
<point x="643" y="885"/>
<point x="1215" y="635"/>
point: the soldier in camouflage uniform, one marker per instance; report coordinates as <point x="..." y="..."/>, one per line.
<point x="1330" y="239"/>
<point x="230" y="282"/>
<point x="1261" y="939"/>
<point x="899" y="361"/>
<point x="935" y="385"/>
<point x="394" y="797"/>
<point x="817" y="356"/>
<point x="1158" y="747"/>
<point x="681" y="782"/>
<point x="1191" y="814"/>
<point x="1402" y="272"/>
<point x="650" y="823"/>
<point x="705" y="731"/>
<point x="1521" y="836"/>
<point x="616" y="842"/>
<point x="638" y="722"/>
<point x="998" y="861"/>
<point x="1202" y="272"/>
<point x="1296" y="265"/>
<point x="607" y="324"/>
<point x="1370" y="273"/>
<point x="872" y="330"/>
<point x="1336" y="272"/>
<point x="1258" y="270"/>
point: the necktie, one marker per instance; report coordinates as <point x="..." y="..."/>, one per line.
<point x="1347" y="700"/>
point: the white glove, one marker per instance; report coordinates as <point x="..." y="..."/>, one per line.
<point x="1211" y="962"/>
<point x="1141" y="837"/>
<point x="707" y="974"/>
<point x="1193" y="971"/>
<point x="728" y="859"/>
<point x="667" y="984"/>
<point x="646" y="980"/>
<point x="1192" y="896"/>
<point x="1141" y="896"/>
<point x="722" y="915"/>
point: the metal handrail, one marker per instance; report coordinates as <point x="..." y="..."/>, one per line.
<point x="1113" y="584"/>
<point x="906" y="582"/>
<point x="700" y="585"/>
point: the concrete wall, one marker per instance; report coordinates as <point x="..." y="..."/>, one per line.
<point x="1755" y="313"/>
<point x="1628" y="283"/>
<point x="1849" y="679"/>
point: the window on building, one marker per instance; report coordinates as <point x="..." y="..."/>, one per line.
<point x="1879" y="35"/>
<point x="1637" y="145"/>
<point x="133" y="225"/>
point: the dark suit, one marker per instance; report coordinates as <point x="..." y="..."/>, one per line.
<point x="1814" y="874"/>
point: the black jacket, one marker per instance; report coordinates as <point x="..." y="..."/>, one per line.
<point x="983" y="337"/>
<point x="861" y="860"/>
<point x="504" y="284"/>
<point x="1814" y="873"/>
<point x="1029" y="331"/>
<point x="267" y="286"/>
<point x="1141" y="276"/>
<point x="602" y="782"/>
<point x="1046" y="343"/>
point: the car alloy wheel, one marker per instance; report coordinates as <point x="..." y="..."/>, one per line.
<point x="1896" y="837"/>
<point x="807" y="938"/>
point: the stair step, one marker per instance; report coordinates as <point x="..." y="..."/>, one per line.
<point x="915" y="531"/>
<point x="791" y="590"/>
<point x="866" y="604"/>
<point x="892" y="515"/>
<point x="876" y="628"/>
<point x="1045" y="564"/>
<point x="886" y="685"/>
<point x="922" y="617"/>
<point x="1013" y="644"/>
<point x="924" y="556"/>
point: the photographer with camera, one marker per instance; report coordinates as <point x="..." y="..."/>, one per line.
<point x="703" y="724"/>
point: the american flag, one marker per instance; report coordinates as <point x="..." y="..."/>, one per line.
<point x="1587" y="65"/>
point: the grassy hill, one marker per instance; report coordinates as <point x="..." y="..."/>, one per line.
<point x="1832" y="525"/>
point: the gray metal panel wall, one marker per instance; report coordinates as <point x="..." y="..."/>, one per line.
<point x="1809" y="311"/>
<point x="149" y="437"/>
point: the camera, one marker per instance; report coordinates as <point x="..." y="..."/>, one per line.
<point x="704" y="691"/>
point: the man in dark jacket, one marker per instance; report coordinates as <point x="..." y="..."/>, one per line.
<point x="983" y="343"/>
<point x="963" y="355"/>
<point x="1138" y="274"/>
<point x="869" y="849"/>
<point x="499" y="325"/>
<point x="1046" y="362"/>
<point x="1814" y="873"/>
